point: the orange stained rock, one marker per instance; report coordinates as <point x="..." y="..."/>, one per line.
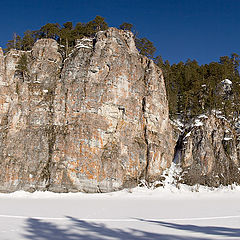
<point x="2" y="101"/>
<point x="80" y="148"/>
<point x="155" y="155"/>
<point x="58" y="178"/>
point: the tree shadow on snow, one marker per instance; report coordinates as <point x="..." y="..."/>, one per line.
<point x="209" y="230"/>
<point x="79" y="230"/>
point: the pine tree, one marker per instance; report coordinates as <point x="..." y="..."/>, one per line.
<point x="79" y="31"/>
<point x="22" y="65"/>
<point x="126" y="26"/>
<point x="27" y="41"/>
<point x="15" y="43"/>
<point x="50" y="30"/>
<point x="145" y="47"/>
<point x="96" y="25"/>
<point x="66" y="36"/>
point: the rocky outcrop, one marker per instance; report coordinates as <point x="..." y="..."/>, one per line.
<point x="95" y="122"/>
<point x="27" y="117"/>
<point x="209" y="152"/>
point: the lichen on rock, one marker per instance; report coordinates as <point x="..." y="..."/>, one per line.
<point x="95" y="122"/>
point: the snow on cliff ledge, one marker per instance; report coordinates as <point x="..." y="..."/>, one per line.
<point x="226" y="81"/>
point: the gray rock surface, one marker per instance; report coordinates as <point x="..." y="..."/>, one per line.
<point x="95" y="122"/>
<point x="210" y="153"/>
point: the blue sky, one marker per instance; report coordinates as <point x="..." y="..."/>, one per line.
<point x="180" y="29"/>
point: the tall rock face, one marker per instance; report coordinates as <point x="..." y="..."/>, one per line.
<point x="27" y="117"/>
<point x="95" y="122"/>
<point x="210" y="152"/>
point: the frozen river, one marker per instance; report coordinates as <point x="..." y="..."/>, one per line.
<point x="142" y="214"/>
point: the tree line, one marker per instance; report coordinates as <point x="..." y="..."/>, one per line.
<point x="67" y="34"/>
<point x="192" y="89"/>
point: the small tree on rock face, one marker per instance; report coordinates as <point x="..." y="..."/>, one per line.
<point x="126" y="26"/>
<point x="97" y="24"/>
<point x="27" y="41"/>
<point x="145" y="47"/>
<point x="79" y="30"/>
<point x="15" y="43"/>
<point x="50" y="30"/>
<point x="66" y="36"/>
<point x="22" y="65"/>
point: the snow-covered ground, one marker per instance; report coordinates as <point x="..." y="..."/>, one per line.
<point x="166" y="213"/>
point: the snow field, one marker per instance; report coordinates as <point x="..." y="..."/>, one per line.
<point x="163" y="213"/>
<point x="172" y="212"/>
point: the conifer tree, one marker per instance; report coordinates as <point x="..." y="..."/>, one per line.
<point x="27" y="41"/>
<point x="66" y="36"/>
<point x="97" y="24"/>
<point x="79" y="30"/>
<point x="126" y="26"/>
<point x="22" y="65"/>
<point x="145" y="47"/>
<point x="15" y="43"/>
<point x="50" y="30"/>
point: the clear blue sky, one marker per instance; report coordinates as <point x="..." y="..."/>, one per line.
<point x="180" y="29"/>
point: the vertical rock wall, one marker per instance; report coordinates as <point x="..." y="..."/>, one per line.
<point x="96" y="122"/>
<point x="27" y="117"/>
<point x="210" y="153"/>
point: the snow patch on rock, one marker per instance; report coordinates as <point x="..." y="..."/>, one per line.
<point x="226" y="81"/>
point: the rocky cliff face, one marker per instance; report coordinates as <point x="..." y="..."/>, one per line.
<point x="209" y="152"/>
<point x="95" y="122"/>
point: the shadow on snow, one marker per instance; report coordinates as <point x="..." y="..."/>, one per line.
<point x="79" y="230"/>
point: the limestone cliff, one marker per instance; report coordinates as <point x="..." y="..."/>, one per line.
<point x="209" y="152"/>
<point x="96" y="121"/>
